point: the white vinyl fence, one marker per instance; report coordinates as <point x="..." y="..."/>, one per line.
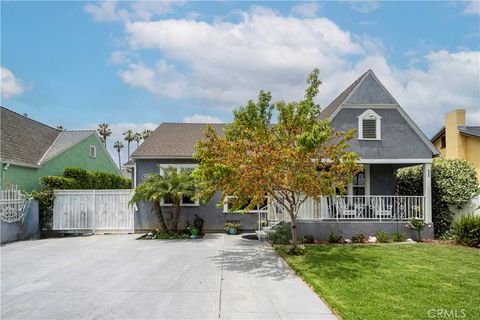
<point x="93" y="210"/>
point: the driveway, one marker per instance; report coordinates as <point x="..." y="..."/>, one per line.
<point x="115" y="276"/>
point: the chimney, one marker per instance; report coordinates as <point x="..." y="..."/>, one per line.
<point x="454" y="142"/>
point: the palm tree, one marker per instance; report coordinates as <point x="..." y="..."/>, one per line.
<point x="146" y="133"/>
<point x="129" y="137"/>
<point x="170" y="185"/>
<point x="104" y="132"/>
<point x="137" y="137"/>
<point x="119" y="146"/>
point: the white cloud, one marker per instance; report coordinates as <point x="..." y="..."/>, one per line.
<point x="223" y="64"/>
<point x="307" y="9"/>
<point x="200" y="118"/>
<point x="227" y="63"/>
<point x="117" y="135"/>
<point x="109" y="11"/>
<point x="163" y="79"/>
<point x="365" y="6"/>
<point x="472" y="7"/>
<point x="11" y="86"/>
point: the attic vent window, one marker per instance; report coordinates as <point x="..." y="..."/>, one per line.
<point x="93" y="151"/>
<point x="369" y="126"/>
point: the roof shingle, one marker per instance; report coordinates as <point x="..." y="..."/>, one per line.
<point x="174" y="140"/>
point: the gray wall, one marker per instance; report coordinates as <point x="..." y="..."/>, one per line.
<point x="213" y="217"/>
<point x="320" y="229"/>
<point x="29" y="229"/>
<point x="399" y="140"/>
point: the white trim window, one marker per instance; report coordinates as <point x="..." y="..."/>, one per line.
<point x="257" y="209"/>
<point x="369" y="125"/>
<point x="93" y="151"/>
<point x="186" y="201"/>
<point x="360" y="185"/>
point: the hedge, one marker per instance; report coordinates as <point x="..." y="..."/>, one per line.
<point x="453" y="182"/>
<point x="77" y="178"/>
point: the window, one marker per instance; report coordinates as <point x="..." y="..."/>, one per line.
<point x="93" y="151"/>
<point x="443" y="142"/>
<point x="369" y="126"/>
<point x="358" y="184"/>
<point x="186" y="201"/>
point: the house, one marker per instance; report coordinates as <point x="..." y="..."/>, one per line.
<point x="387" y="139"/>
<point x="457" y="141"/>
<point x="30" y="150"/>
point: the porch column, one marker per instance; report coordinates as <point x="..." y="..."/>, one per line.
<point x="427" y="191"/>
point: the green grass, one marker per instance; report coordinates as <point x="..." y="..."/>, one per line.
<point x="392" y="281"/>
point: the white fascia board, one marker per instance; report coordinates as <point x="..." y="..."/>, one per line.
<point x="394" y="161"/>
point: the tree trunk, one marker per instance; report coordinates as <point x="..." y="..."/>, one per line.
<point x="128" y="150"/>
<point x="293" y="224"/>
<point x="175" y="215"/>
<point x="119" y="160"/>
<point x="158" y="212"/>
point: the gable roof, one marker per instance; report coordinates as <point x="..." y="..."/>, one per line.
<point x="64" y="141"/>
<point x="24" y="141"/>
<point x="174" y="140"/>
<point x="439" y="133"/>
<point x="367" y="90"/>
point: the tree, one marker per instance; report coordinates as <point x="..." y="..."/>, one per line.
<point x="297" y="158"/>
<point x="146" y="133"/>
<point x="118" y="145"/>
<point x="129" y="137"/>
<point x="104" y="132"/>
<point x="137" y="137"/>
<point x="170" y="186"/>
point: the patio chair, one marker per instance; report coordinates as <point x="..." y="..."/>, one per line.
<point x="382" y="210"/>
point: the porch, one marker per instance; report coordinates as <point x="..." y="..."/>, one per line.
<point x="371" y="197"/>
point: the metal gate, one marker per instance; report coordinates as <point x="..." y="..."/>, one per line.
<point x="98" y="211"/>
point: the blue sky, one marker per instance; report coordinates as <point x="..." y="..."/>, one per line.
<point x="134" y="65"/>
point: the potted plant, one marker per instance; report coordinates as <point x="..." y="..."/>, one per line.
<point x="194" y="232"/>
<point x="232" y="227"/>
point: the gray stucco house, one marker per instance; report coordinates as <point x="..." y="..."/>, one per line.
<point x="387" y="139"/>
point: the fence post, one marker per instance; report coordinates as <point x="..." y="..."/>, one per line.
<point x="94" y="211"/>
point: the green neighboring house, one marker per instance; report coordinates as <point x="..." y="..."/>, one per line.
<point x="30" y="150"/>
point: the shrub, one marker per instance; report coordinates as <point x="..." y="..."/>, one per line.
<point x="382" y="237"/>
<point x="280" y="234"/>
<point x="453" y="182"/>
<point x="399" y="237"/>
<point x="358" y="238"/>
<point x="46" y="199"/>
<point x="308" y="239"/>
<point x="167" y="235"/>
<point x="466" y="230"/>
<point x="333" y="238"/>
<point x="84" y="178"/>
<point x="54" y="182"/>
<point x="417" y="225"/>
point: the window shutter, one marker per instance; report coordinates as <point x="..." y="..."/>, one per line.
<point x="369" y="128"/>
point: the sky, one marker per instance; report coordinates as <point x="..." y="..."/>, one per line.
<point x="134" y="65"/>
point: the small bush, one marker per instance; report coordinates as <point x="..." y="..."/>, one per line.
<point x="399" y="237"/>
<point x="308" y="239"/>
<point x="164" y="235"/>
<point x="280" y="234"/>
<point x="466" y="230"/>
<point x="358" y="238"/>
<point x="382" y="237"/>
<point x="54" y="182"/>
<point x="333" y="238"/>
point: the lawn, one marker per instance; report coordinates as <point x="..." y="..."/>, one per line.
<point x="393" y="281"/>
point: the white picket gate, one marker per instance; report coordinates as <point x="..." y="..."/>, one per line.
<point x="97" y="211"/>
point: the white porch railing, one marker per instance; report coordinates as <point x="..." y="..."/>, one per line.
<point x="353" y="208"/>
<point x="380" y="208"/>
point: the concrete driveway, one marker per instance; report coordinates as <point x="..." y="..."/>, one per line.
<point x="117" y="277"/>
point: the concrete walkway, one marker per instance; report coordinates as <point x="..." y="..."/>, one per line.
<point x="117" y="277"/>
